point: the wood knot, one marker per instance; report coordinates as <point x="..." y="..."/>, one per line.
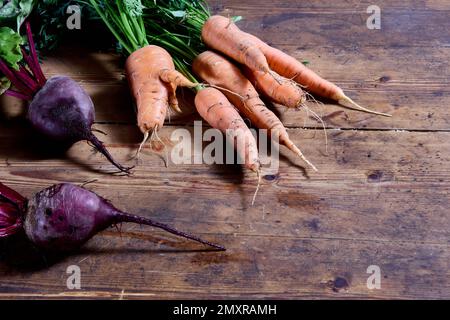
<point x="375" y="176"/>
<point x="339" y="284"/>
<point x="271" y="177"/>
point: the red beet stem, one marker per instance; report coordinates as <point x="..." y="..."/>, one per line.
<point x="22" y="74"/>
<point x="37" y="68"/>
<point x="125" y="217"/>
<point x="10" y="219"/>
<point x="17" y="95"/>
<point x="13" y="197"/>
<point x="9" y="231"/>
<point x="31" y="65"/>
<point x="11" y="75"/>
<point x="100" y="147"/>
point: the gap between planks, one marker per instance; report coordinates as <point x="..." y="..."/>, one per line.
<point x="393" y="130"/>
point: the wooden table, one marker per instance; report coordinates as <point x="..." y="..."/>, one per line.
<point x="381" y="196"/>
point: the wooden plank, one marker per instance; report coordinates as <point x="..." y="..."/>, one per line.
<point x="343" y="25"/>
<point x="380" y="198"/>
<point x="324" y="5"/>
<point x="369" y="178"/>
<point x="254" y="266"/>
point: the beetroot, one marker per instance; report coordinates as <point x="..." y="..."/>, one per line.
<point x="60" y="109"/>
<point x="63" y="217"/>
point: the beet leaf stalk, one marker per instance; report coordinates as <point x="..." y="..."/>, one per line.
<point x="59" y="107"/>
<point x="63" y="217"/>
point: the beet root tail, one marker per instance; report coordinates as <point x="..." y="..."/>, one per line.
<point x="101" y="148"/>
<point x="125" y="217"/>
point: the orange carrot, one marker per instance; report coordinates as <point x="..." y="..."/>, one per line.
<point x="290" y="67"/>
<point x="153" y="81"/>
<point x="281" y="91"/>
<point x="218" y="71"/>
<point x="215" y="108"/>
<point x="222" y="34"/>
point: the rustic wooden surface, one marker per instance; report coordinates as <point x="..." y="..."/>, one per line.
<point x="381" y="196"/>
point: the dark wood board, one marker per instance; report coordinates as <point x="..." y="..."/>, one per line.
<point x="381" y="195"/>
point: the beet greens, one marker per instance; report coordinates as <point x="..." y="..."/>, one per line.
<point x="60" y="109"/>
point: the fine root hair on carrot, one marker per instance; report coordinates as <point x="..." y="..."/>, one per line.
<point x="276" y="88"/>
<point x="318" y="118"/>
<point x="141" y="145"/>
<point x="315" y="116"/>
<point x="156" y="139"/>
<point x="208" y="85"/>
<point x="277" y="77"/>
<point x="258" y="174"/>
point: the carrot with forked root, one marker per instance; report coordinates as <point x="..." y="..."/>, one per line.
<point x="153" y="81"/>
<point x="218" y="71"/>
<point x="214" y="107"/>
<point x="150" y="69"/>
<point x="222" y="34"/>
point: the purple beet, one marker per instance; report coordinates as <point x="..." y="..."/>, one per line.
<point x="60" y="109"/>
<point x="63" y="217"/>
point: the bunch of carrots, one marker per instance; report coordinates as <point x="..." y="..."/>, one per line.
<point x="179" y="43"/>
<point x="237" y="68"/>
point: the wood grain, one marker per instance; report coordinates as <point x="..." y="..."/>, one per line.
<point x="381" y="195"/>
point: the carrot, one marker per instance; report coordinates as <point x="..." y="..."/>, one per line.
<point x="281" y="91"/>
<point x="217" y="110"/>
<point x="153" y="81"/>
<point x="290" y="67"/>
<point x="222" y="34"/>
<point x="150" y="69"/>
<point x="218" y="71"/>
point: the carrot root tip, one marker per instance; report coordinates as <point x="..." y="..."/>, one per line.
<point x="138" y="152"/>
<point x="158" y="139"/>
<point x="302" y="156"/>
<point x="349" y="103"/>
<point x="176" y="108"/>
